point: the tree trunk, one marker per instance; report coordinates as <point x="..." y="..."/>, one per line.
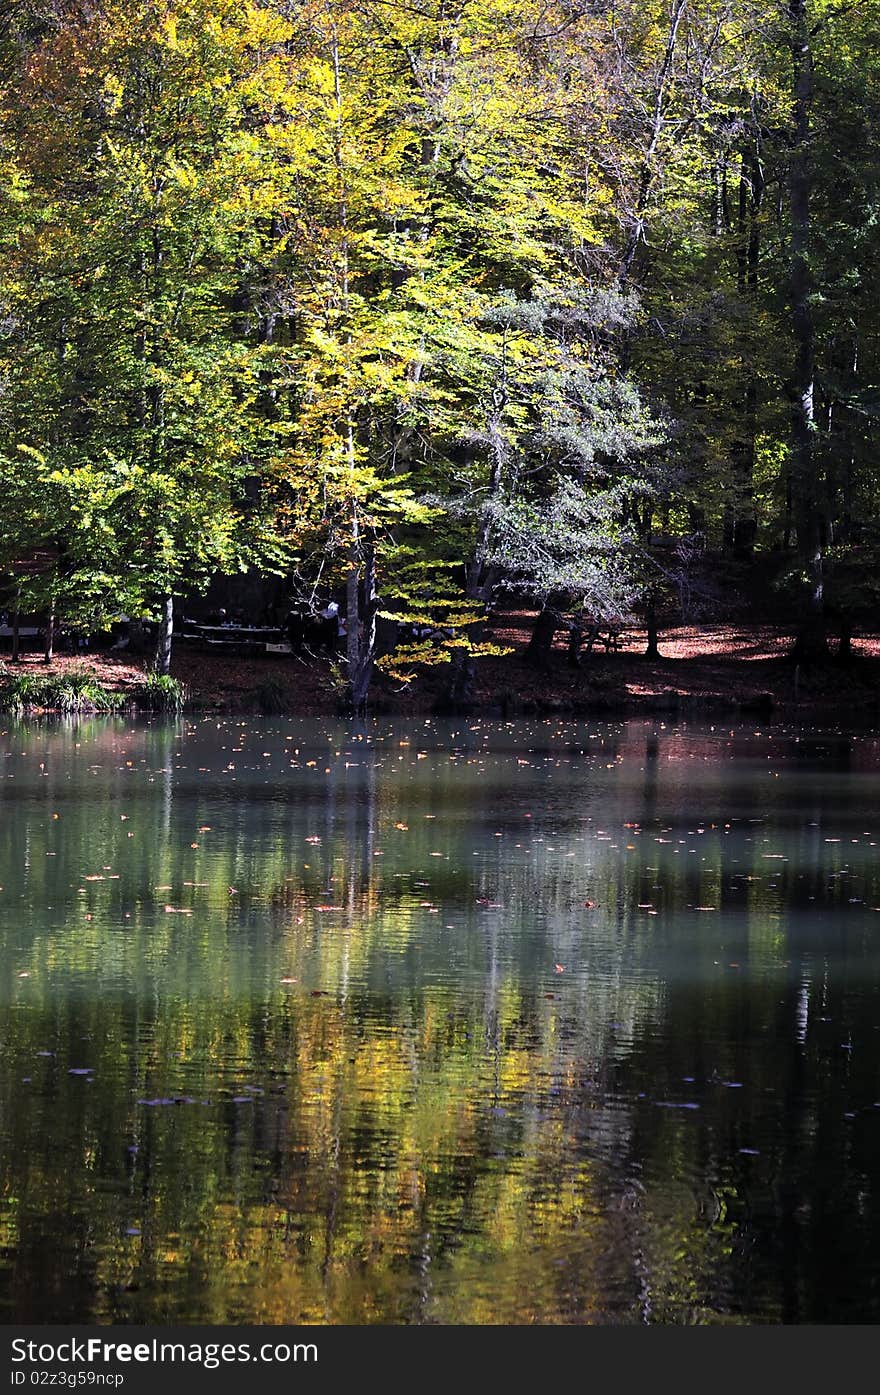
<point x="659" y="112"/>
<point x="652" y="651"/>
<point x="575" y="639"/>
<point x="50" y="633"/>
<point x="478" y="576"/>
<point x="811" y="642"/>
<point x="460" y="697"/>
<point x="360" y="643"/>
<point x="743" y="529"/>
<point x="540" y="646"/>
<point x="163" y="642"/>
<point x="352" y="617"/>
<point x="16" y="621"/>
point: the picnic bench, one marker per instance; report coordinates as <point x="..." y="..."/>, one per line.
<point x="609" y="635"/>
<point x="28" y="635"/>
<point x="586" y="634"/>
<point x="241" y="639"/>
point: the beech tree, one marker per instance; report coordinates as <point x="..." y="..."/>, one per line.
<point x="124" y="372"/>
<point x="380" y="297"/>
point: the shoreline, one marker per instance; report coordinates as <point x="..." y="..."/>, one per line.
<point x="723" y="671"/>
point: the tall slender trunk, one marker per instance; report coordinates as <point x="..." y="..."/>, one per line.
<point x="360" y="640"/>
<point x="360" y="588"/>
<point x="743" y="523"/>
<point x="362" y="653"/>
<point x="648" y="172"/>
<point x="50" y="633"/>
<point x="16" y="623"/>
<point x="811" y="641"/>
<point x="652" y="650"/>
<point x="166" y="630"/>
<point x="477" y="577"/>
<point x="352" y="614"/>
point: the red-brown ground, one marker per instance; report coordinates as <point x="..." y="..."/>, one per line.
<point x="711" y="667"/>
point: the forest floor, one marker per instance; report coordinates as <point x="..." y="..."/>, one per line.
<point x="703" y="669"/>
<point x="719" y="667"/>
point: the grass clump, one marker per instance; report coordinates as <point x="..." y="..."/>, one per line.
<point x="159" y="692"/>
<point x="76" y="689"/>
<point x="272" y="698"/>
<point x="19" y="691"/>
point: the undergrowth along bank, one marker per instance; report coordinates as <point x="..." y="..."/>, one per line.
<point x="79" y="689"/>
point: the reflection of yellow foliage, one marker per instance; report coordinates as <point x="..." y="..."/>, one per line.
<point x="415" y="1145"/>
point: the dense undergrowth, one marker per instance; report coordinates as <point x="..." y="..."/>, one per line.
<point x="79" y="689"/>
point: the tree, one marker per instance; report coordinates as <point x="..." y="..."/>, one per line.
<point x="123" y="369"/>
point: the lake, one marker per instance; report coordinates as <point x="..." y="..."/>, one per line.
<point x="438" y="1022"/>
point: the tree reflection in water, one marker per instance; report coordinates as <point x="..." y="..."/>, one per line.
<point x="309" y="1023"/>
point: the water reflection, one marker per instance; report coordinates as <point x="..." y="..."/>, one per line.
<point x="436" y="1023"/>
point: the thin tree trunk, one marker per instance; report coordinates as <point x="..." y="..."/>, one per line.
<point x="163" y="642"/>
<point x="352" y="616"/>
<point x="648" y="171"/>
<point x="460" y="694"/>
<point x="16" y="621"/>
<point x="749" y="255"/>
<point x="361" y="652"/>
<point x="788" y="523"/>
<point x="50" y="633"/>
<point x="360" y="638"/>
<point x="575" y="640"/>
<point x="811" y="641"/>
<point x="652" y="650"/>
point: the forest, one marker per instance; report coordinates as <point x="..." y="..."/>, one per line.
<point x="425" y="305"/>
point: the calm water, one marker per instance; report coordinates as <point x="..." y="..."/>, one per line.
<point x="552" y="1022"/>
